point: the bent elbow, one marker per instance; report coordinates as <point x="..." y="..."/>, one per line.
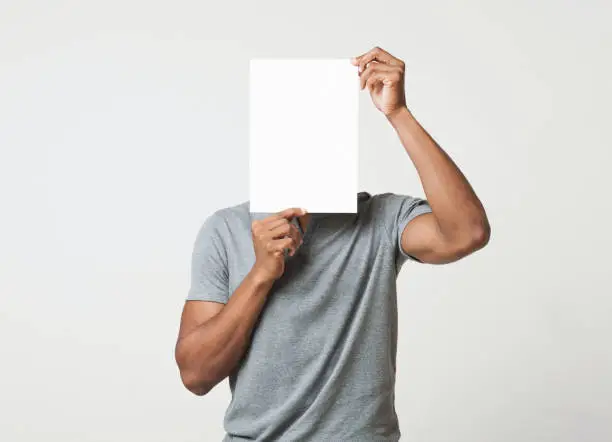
<point x="480" y="236"/>
<point x="194" y="383"/>
<point x="472" y="239"/>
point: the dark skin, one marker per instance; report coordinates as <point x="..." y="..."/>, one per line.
<point x="213" y="337"/>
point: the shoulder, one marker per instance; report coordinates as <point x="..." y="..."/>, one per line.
<point x="388" y="198"/>
<point x="394" y="210"/>
<point x="381" y="203"/>
<point x="232" y="215"/>
<point x="375" y="208"/>
<point x="223" y="221"/>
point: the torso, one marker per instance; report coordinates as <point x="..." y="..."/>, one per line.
<point x="321" y="364"/>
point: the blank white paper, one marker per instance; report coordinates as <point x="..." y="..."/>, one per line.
<point x="303" y="147"/>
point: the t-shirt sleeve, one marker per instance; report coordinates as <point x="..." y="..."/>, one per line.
<point x="397" y="211"/>
<point x="209" y="279"/>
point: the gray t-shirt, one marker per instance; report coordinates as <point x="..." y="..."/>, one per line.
<point x="321" y="364"/>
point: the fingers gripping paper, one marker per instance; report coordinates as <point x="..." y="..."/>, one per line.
<point x="303" y="135"/>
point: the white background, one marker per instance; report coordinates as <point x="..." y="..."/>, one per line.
<point x="123" y="125"/>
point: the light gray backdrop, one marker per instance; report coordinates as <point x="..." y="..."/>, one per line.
<point x="123" y="124"/>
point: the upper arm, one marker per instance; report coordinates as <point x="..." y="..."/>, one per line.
<point x="422" y="239"/>
<point x="415" y="233"/>
<point x="396" y="212"/>
<point x="209" y="276"/>
<point x="196" y="313"/>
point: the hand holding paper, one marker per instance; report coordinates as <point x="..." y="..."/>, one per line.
<point x="383" y="75"/>
<point x="271" y="237"/>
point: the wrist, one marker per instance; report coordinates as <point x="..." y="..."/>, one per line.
<point x="397" y="116"/>
<point x="260" y="279"/>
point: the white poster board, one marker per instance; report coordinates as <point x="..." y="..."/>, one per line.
<point x="303" y="120"/>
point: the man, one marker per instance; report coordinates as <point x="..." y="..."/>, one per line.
<point x="308" y="338"/>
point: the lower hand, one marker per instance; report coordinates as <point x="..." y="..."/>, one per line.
<point x="271" y="236"/>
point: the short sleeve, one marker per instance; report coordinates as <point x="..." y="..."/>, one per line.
<point x="209" y="265"/>
<point x="396" y="212"/>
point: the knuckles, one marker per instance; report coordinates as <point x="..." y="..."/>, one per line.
<point x="289" y="242"/>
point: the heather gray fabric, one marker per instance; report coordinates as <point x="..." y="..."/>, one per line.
<point x="321" y="365"/>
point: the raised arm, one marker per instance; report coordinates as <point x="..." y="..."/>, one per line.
<point x="457" y="225"/>
<point x="214" y="335"/>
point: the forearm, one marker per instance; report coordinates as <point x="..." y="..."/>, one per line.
<point x="209" y="353"/>
<point x="456" y="208"/>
